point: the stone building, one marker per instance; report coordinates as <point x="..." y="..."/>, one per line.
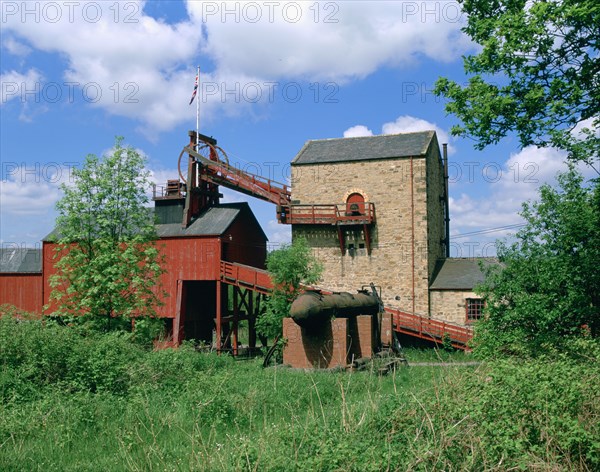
<point x="398" y="183"/>
<point x="451" y="295"/>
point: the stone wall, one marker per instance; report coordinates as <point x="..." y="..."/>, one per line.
<point x="435" y="208"/>
<point x="450" y="305"/>
<point x="386" y="183"/>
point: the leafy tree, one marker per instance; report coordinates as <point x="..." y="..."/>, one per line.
<point x="290" y="267"/>
<point x="546" y="289"/>
<point x="107" y="262"/>
<point x="537" y="74"/>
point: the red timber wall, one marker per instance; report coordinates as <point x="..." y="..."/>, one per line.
<point x="187" y="259"/>
<point x="23" y="290"/>
<point x="244" y="243"/>
<point x="196" y="258"/>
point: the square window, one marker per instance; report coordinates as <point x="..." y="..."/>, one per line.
<point x="474" y="309"/>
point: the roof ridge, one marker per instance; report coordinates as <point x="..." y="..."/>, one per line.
<point x="363" y="148"/>
<point x="371" y="136"/>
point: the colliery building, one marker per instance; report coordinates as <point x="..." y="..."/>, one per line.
<point x="374" y="210"/>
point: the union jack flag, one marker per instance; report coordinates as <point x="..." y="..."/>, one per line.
<point x="195" y="90"/>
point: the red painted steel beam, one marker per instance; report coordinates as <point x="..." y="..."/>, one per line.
<point x="221" y="173"/>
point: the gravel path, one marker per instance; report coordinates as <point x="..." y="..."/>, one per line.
<point x="443" y="364"/>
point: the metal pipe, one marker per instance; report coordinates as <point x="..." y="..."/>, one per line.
<point x="412" y="218"/>
<point x="312" y="308"/>
<point x="446" y="199"/>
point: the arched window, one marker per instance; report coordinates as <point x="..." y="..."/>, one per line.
<point x="355" y="204"/>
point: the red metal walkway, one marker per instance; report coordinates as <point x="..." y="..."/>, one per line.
<point x="244" y="276"/>
<point x="334" y="214"/>
<point x="430" y="329"/>
<point x="422" y="327"/>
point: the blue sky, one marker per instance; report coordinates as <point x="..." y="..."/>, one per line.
<point x="274" y="75"/>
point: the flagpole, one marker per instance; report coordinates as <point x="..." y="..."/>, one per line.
<point x="198" y="113"/>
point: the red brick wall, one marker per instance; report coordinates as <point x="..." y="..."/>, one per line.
<point x="386" y="329"/>
<point x="323" y="348"/>
<point x="362" y="337"/>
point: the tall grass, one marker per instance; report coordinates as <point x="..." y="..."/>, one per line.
<point x="73" y="401"/>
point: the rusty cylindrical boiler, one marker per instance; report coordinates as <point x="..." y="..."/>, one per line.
<point x="314" y="308"/>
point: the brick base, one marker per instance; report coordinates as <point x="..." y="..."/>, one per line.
<point x="335" y="344"/>
<point x="362" y="337"/>
<point x="386" y="329"/>
<point x="322" y="348"/>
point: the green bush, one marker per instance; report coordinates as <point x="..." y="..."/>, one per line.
<point x="539" y="413"/>
<point x="72" y="400"/>
<point x="35" y="354"/>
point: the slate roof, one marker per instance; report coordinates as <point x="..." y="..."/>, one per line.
<point x="214" y="222"/>
<point x="459" y="273"/>
<point x="19" y="260"/>
<point x="362" y="148"/>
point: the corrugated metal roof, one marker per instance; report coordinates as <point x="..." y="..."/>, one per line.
<point x="460" y="273"/>
<point x="20" y="260"/>
<point x="384" y="146"/>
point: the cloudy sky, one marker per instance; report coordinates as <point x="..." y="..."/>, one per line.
<point x="274" y="75"/>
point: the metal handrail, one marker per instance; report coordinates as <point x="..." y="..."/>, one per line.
<point x="330" y="214"/>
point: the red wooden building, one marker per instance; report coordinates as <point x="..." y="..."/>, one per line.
<point x="214" y="259"/>
<point x="21" y="278"/>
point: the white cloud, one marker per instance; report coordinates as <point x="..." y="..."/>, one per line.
<point x="403" y="124"/>
<point x="15" y="47"/>
<point x="133" y="69"/>
<point x="21" y="192"/>
<point x="411" y="124"/>
<point x="357" y="131"/>
<point x="328" y="40"/>
<point x="509" y="184"/>
<point x="592" y="124"/>
<point x="14" y="85"/>
<point x="278" y="234"/>
<point x="144" y="69"/>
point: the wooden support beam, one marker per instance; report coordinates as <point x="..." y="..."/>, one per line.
<point x="342" y="239"/>
<point x="251" y="321"/>
<point x="367" y="232"/>
<point x="219" y="315"/>
<point x="179" y="314"/>
<point x="236" y="312"/>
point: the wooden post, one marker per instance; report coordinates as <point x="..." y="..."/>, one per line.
<point x="251" y="322"/>
<point x="218" y="323"/>
<point x="236" y="313"/>
<point x="179" y="315"/>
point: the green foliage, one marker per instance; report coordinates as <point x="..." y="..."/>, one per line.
<point x="536" y="75"/>
<point x="289" y="267"/>
<point x="73" y="401"/>
<point x="36" y="355"/>
<point x="508" y="415"/>
<point x="546" y="290"/>
<point x="107" y="261"/>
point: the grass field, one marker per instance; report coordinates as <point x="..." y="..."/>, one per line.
<point x="102" y="403"/>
